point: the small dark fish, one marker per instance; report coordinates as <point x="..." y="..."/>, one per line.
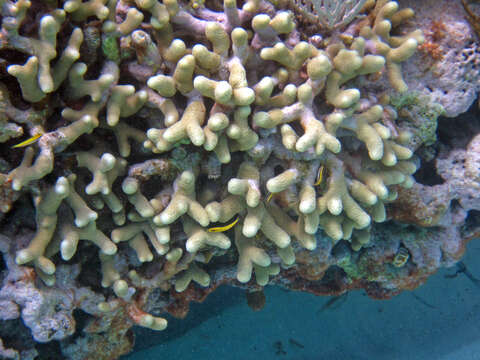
<point x="256" y="300"/>
<point x="423" y="301"/>
<point x="469" y="275"/>
<point x="296" y="343"/>
<point x="279" y="348"/>
<point x="462" y="269"/>
<point x="334" y="303"/>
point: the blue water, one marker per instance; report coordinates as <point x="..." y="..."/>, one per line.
<point x="440" y="320"/>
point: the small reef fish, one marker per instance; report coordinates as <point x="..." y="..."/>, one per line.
<point x="269" y="197"/>
<point x="401" y="257"/>
<point x="423" y="301"/>
<point x="319" y="176"/>
<point x="278" y="346"/>
<point x="29" y="141"/>
<point x="223" y="228"/>
<point x="256" y="300"/>
<point x="334" y="303"/>
<point x="296" y="343"/>
<point x="462" y="269"/>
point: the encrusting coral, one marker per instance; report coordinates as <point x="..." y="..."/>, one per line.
<point x="296" y="146"/>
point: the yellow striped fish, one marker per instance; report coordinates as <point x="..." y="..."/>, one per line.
<point x="319" y="176"/>
<point x="29" y="141"/>
<point x="401" y="257"/>
<point x="223" y="228"/>
<point x="269" y="197"/>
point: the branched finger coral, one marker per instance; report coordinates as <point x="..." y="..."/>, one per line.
<point x="196" y="135"/>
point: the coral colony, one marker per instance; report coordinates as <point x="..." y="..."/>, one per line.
<point x="171" y="146"/>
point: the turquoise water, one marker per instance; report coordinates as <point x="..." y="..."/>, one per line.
<point x="440" y="320"/>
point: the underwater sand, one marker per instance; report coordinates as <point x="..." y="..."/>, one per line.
<point x="440" y="320"/>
